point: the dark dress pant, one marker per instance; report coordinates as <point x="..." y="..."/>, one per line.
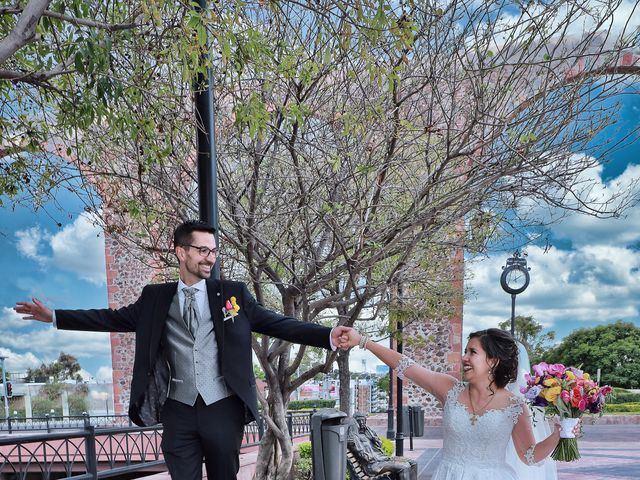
<point x="191" y="433"/>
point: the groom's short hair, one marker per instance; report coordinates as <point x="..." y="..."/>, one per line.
<point x="182" y="233"/>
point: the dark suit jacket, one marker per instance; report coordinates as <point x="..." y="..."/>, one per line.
<point x="147" y="317"/>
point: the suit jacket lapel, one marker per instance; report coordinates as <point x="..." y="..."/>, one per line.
<point x="160" y="312"/>
<point x="214" y="294"/>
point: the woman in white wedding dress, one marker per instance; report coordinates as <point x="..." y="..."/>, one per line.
<point x="547" y="469"/>
<point x="480" y="415"/>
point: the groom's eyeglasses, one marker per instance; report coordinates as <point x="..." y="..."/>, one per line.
<point x="204" y="251"/>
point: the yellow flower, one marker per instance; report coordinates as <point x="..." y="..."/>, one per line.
<point x="551" y="382"/>
<point x="550" y="394"/>
<point x="236" y="307"/>
<point x="570" y="375"/>
<point x="586" y="376"/>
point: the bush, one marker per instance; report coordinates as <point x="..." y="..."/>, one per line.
<point x="623" y="396"/>
<point x="388" y="447"/>
<point x="78" y="404"/>
<point x="303" y="469"/>
<point x="41" y="406"/>
<point x="624" y="408"/>
<point x="311" y="404"/>
<point x="304" y="449"/>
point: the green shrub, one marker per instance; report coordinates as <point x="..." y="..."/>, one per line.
<point x="303" y="469"/>
<point x="388" y="446"/>
<point x="78" y="404"/>
<point x="41" y="406"/>
<point x="624" y="408"/>
<point x="311" y="404"/>
<point x="304" y="449"/>
<point x="623" y="396"/>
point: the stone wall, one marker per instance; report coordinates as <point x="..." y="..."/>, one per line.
<point x="126" y="276"/>
<point x="436" y="343"/>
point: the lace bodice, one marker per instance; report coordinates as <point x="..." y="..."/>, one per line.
<point x="481" y="445"/>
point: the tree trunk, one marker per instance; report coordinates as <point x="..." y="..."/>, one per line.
<point x="344" y="375"/>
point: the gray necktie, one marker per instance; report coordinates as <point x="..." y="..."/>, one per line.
<point x="190" y="310"/>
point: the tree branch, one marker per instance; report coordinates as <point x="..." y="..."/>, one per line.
<point x="115" y="27"/>
<point x="25" y="29"/>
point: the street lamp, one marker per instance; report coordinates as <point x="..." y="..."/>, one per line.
<point x="4" y="384"/>
<point x="515" y="280"/>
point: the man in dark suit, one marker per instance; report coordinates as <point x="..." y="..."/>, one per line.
<point x="193" y="367"/>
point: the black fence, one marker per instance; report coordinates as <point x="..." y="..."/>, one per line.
<point x="98" y="446"/>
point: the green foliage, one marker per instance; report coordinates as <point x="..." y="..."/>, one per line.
<point x="623" y="396"/>
<point x="529" y="333"/>
<point x="258" y="372"/>
<point x="41" y="406"/>
<point x="78" y="404"/>
<point x="388" y="446"/>
<point x="624" y="408"/>
<point x="304" y="449"/>
<point x="52" y="391"/>
<point x="303" y="469"/>
<point x="614" y="348"/>
<point x="311" y="404"/>
<point x="66" y="367"/>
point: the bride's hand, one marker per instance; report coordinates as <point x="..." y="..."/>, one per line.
<point x="353" y="338"/>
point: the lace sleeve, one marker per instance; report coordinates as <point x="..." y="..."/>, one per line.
<point x="516" y="408"/>
<point x="405" y="362"/>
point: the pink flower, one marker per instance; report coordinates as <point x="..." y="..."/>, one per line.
<point x="556" y="369"/>
<point x="524" y="390"/>
<point x="564" y="395"/>
<point x="228" y="306"/>
<point x="530" y="380"/>
<point x="540" y="369"/>
<point x="582" y="404"/>
<point x="606" y="390"/>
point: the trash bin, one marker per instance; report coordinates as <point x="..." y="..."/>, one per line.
<point x="413" y="416"/>
<point x="418" y="420"/>
<point x="329" y="444"/>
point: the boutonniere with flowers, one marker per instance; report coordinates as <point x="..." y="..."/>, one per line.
<point x="230" y="309"/>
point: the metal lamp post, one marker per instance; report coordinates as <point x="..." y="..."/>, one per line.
<point x="205" y="126"/>
<point x="515" y="280"/>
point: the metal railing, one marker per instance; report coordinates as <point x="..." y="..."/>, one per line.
<point x="95" y="448"/>
<point x="80" y="454"/>
<point x="53" y="422"/>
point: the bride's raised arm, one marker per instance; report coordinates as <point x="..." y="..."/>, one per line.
<point x="438" y="384"/>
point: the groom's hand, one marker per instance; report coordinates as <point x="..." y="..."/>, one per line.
<point x="340" y="337"/>
<point x="35" y="310"/>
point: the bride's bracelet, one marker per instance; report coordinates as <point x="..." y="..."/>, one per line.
<point x="363" y="342"/>
<point x="405" y="362"/>
<point x="528" y="455"/>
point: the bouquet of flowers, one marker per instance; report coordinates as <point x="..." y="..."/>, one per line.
<point x="568" y="393"/>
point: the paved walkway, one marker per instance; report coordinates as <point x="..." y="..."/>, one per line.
<point x="608" y="452"/>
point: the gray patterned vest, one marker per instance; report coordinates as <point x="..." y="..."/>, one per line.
<point x="193" y="362"/>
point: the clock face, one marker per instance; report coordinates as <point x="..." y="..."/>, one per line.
<point x="514" y="279"/>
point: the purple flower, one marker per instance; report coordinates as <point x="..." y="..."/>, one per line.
<point x="576" y="371"/>
<point x="530" y="380"/>
<point x="533" y="392"/>
<point x="540" y="369"/>
<point x="539" y="402"/>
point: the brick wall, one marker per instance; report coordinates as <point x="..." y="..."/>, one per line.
<point x="126" y="276"/>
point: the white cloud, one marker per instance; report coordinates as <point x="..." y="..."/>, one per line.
<point x="48" y="342"/>
<point x="77" y="248"/>
<point x="11" y="320"/>
<point x="104" y="374"/>
<point x="19" y="362"/>
<point x="30" y="242"/>
<point x="590" y="284"/>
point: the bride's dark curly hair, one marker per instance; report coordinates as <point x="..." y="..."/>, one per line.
<point x="500" y="345"/>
